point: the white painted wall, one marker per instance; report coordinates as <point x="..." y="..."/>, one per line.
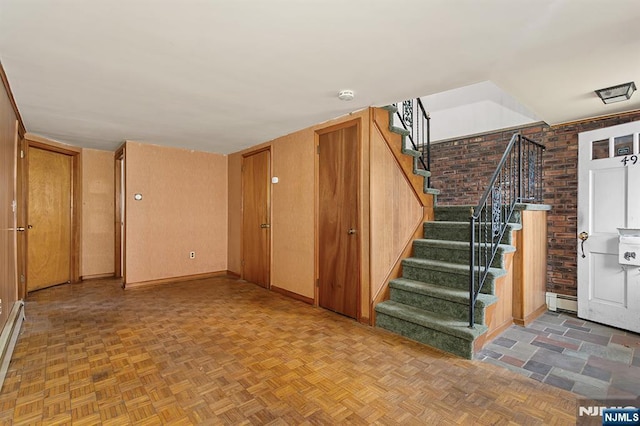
<point x="478" y="108"/>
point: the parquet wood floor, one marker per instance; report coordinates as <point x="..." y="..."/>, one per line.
<point x="223" y="351"/>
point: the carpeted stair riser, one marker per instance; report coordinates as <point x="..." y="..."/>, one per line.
<point x="463" y="213"/>
<point x="446" y="342"/>
<point x="459" y="231"/>
<point x="453" y="251"/>
<point x="438" y="306"/>
<point x="456" y="278"/>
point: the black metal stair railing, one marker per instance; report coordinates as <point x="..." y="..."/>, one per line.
<point x="414" y="118"/>
<point x="517" y="179"/>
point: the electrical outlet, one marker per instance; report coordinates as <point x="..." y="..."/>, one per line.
<point x="192" y="255"/>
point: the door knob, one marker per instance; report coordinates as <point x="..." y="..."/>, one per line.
<point x="265" y="225"/>
<point x="351" y="231"/>
<point x="20" y="229"/>
<point x="583" y="237"/>
<point x="29" y="226"/>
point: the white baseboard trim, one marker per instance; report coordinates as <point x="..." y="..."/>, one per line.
<point x="9" y="336"/>
<point x="561" y="302"/>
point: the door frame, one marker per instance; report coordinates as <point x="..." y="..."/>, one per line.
<point x="269" y="205"/>
<point x="39" y="142"/>
<point x="584" y="222"/>
<point x="318" y="132"/>
<point x="21" y="218"/>
<point x="120" y="229"/>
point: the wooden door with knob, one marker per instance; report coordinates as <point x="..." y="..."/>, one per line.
<point x="49" y="228"/>
<point x="256" y="218"/>
<point x="338" y="213"/>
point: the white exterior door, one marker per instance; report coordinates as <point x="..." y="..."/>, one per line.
<point x="608" y="199"/>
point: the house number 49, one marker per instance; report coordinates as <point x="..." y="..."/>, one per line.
<point x="629" y="159"/>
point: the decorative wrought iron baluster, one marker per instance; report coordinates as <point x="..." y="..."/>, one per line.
<point x="496" y="203"/>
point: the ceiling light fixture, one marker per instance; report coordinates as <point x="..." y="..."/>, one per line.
<point x="346" y="95"/>
<point x="621" y="92"/>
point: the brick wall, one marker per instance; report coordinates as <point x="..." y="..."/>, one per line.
<point x="461" y="169"/>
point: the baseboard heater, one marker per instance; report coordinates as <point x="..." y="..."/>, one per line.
<point x="562" y="302"/>
<point x="9" y="337"/>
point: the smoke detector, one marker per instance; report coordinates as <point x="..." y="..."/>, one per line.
<point x="346" y="95"/>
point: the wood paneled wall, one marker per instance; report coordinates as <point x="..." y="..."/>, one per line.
<point x="396" y="212"/>
<point x="98" y="197"/>
<point x="530" y="273"/>
<point x="9" y="126"/>
<point x="183" y="209"/>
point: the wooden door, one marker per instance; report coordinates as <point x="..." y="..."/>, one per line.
<point x="608" y="199"/>
<point x="338" y="238"/>
<point x="256" y="218"/>
<point x="48" y="218"/>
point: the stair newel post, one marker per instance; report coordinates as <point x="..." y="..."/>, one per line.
<point x="472" y="292"/>
<point x="428" y="148"/>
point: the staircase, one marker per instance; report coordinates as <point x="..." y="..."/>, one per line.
<point x="430" y="302"/>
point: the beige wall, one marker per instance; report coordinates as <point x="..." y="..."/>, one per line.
<point x="292" y="213"/>
<point x="98" y="216"/>
<point x="184" y="208"/>
<point x="8" y="180"/>
<point x="234" y="254"/>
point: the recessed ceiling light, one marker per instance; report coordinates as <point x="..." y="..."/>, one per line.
<point x="346" y="95"/>
<point x="621" y="92"/>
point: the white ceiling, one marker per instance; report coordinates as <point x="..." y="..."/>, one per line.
<point x="223" y="75"/>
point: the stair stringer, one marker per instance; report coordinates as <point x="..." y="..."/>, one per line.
<point x="407" y="158"/>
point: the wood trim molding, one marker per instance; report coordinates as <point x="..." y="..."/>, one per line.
<point x="31" y="140"/>
<point x="7" y="87"/>
<point x="232" y="274"/>
<point x="531" y="317"/>
<point x="342" y="125"/>
<point x="96" y="277"/>
<point x="296" y="296"/>
<point x="139" y="284"/>
<point x="51" y="145"/>
<point x="9" y="337"/>
<point x="596" y="118"/>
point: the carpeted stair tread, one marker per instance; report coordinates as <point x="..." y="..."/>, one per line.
<point x="447" y="274"/>
<point x="410" y="152"/>
<point x="426" y="319"/>
<point x="459" y="231"/>
<point x="445" y="293"/>
<point x="454" y="268"/>
<point x="454" y="251"/>
<point x="458" y="245"/>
